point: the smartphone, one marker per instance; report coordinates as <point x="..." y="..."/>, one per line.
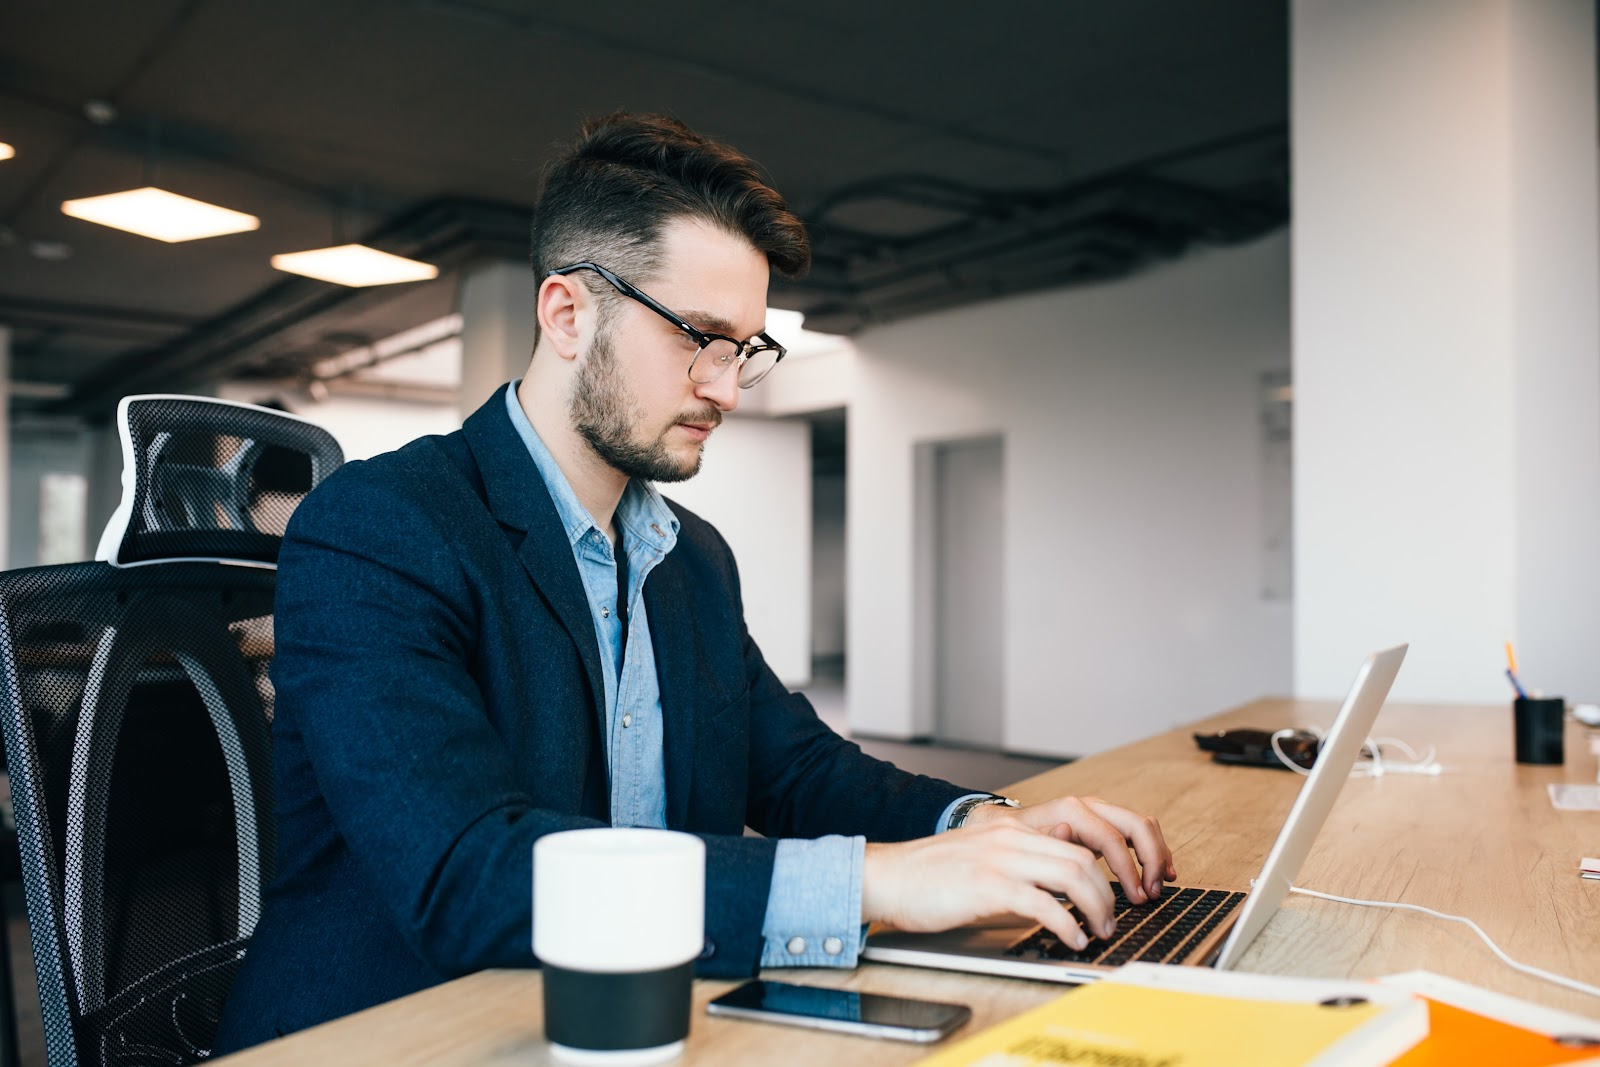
<point x="842" y="1010"/>
<point x="1253" y="748"/>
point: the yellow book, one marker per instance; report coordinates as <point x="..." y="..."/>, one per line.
<point x="1146" y="1015"/>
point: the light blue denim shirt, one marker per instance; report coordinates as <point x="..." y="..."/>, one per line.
<point x="814" y="905"/>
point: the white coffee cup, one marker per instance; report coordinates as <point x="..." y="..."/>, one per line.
<point x="618" y="920"/>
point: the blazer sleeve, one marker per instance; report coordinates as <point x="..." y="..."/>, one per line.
<point x="804" y="780"/>
<point x="377" y="618"/>
<point x="807" y="781"/>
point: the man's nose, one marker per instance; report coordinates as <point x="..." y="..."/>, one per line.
<point x="724" y="392"/>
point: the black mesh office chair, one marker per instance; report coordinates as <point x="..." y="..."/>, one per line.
<point x="136" y="711"/>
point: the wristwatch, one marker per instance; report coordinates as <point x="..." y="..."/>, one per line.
<point x="964" y="809"/>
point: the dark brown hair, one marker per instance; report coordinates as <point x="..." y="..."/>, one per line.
<point x="608" y="195"/>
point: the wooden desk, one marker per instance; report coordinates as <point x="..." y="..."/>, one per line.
<point x="1480" y="841"/>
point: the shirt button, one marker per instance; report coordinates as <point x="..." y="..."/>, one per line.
<point x="833" y="946"/>
<point x="796" y="946"/>
<point x="605" y="613"/>
<point x="627" y="721"/>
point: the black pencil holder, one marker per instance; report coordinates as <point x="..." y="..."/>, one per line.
<point x="1540" y="729"/>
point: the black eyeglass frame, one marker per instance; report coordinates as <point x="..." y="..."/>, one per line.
<point x="744" y="349"/>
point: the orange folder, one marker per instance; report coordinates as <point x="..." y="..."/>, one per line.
<point x="1457" y="1036"/>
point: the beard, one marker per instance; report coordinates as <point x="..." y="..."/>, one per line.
<point x="607" y="415"/>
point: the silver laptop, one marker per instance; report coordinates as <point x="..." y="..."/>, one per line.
<point x="1207" y="926"/>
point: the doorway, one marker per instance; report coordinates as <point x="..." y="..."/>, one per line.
<point x="829" y="635"/>
<point x="966" y="483"/>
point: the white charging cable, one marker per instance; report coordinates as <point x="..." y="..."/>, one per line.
<point x="1560" y="980"/>
<point x="1375" y="767"/>
<point x="1283" y="757"/>
<point x="1423" y="764"/>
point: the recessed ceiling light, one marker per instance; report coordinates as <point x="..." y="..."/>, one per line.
<point x="152" y="212"/>
<point x="354" y="265"/>
<point x="788" y="329"/>
<point x="6" y="151"/>
<point x="50" y="251"/>
<point x="100" y="112"/>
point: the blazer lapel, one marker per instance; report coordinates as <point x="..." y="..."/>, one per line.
<point x="672" y="636"/>
<point x="517" y="497"/>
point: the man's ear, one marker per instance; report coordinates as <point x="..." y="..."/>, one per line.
<point x="560" y="305"/>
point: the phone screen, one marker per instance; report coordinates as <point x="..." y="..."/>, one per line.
<point x="843" y="1009"/>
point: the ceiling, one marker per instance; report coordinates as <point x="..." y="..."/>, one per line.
<point x="940" y="156"/>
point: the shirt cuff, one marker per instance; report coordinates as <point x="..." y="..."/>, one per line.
<point x="814" y="905"/>
<point x="944" y="818"/>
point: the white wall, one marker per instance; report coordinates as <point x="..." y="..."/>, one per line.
<point x="1447" y="378"/>
<point x="754" y="486"/>
<point x="364" y="426"/>
<point x="1133" y="531"/>
<point x="805" y="383"/>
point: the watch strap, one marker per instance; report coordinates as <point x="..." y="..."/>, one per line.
<point x="964" y="810"/>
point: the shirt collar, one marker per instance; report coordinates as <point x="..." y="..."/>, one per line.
<point x="642" y="512"/>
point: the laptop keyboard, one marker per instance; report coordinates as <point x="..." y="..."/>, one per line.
<point x="1164" y="931"/>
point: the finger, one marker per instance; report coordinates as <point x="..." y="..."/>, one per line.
<point x="1069" y="870"/>
<point x="1144" y="832"/>
<point x="1110" y="842"/>
<point x="1033" y="903"/>
<point x="1080" y="822"/>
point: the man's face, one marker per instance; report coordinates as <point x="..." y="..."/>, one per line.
<point x="632" y="400"/>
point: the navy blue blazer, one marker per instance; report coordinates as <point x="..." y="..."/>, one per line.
<point x="440" y="706"/>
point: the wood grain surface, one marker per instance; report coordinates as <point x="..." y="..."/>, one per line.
<point x="1481" y="840"/>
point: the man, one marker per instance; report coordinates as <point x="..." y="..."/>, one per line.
<point x="507" y="631"/>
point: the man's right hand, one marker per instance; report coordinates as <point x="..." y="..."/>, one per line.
<point x="955" y="878"/>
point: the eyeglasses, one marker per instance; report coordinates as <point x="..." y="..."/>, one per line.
<point x="714" y="353"/>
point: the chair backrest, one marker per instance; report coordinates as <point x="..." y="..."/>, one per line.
<point x="207" y="479"/>
<point x="136" y="710"/>
<point x="136" y="713"/>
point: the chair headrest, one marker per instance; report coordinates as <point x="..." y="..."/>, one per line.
<point x="208" y="479"/>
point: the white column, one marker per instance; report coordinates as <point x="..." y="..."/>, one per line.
<point x="1446" y="343"/>
<point x="497" y="321"/>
